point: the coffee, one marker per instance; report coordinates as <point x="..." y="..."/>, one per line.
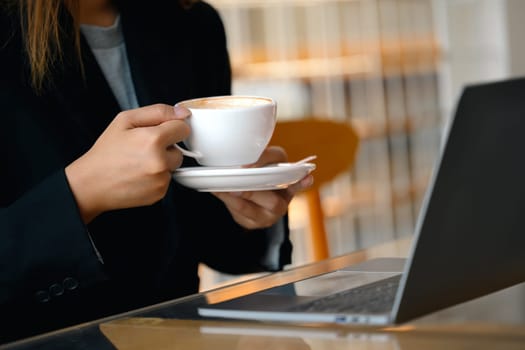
<point x="226" y="102"/>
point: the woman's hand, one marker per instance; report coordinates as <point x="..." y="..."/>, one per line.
<point x="260" y="209"/>
<point x="131" y="162"/>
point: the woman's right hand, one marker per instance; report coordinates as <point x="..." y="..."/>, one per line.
<point x="131" y="163"/>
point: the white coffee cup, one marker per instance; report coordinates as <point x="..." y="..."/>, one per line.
<point x="229" y="130"/>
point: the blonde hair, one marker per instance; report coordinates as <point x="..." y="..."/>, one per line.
<point x="43" y="33"/>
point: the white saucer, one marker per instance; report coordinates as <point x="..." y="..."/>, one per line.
<point x="220" y="179"/>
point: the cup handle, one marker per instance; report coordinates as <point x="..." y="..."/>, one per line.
<point x="187" y="153"/>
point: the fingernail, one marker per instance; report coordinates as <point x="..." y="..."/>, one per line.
<point x="181" y="112"/>
<point x="236" y="194"/>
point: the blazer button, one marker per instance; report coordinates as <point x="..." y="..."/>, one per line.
<point x="70" y="283"/>
<point x="42" y="296"/>
<point x="56" y="290"/>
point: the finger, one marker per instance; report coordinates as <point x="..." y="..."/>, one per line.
<point x="235" y="202"/>
<point x="250" y="222"/>
<point x="181" y="112"/>
<point x="244" y="221"/>
<point x="271" y="201"/>
<point x="152" y="115"/>
<point x="174" y="158"/>
<point x="271" y="155"/>
<point x="171" y="132"/>
<point x="304" y="184"/>
<point x="249" y="213"/>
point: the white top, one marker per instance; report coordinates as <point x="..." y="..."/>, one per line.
<point x="109" y="48"/>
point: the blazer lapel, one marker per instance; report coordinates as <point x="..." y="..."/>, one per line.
<point x="158" y="54"/>
<point x="84" y="93"/>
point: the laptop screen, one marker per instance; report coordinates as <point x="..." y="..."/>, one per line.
<point x="471" y="231"/>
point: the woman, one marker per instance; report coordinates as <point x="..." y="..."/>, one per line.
<point x="91" y="223"/>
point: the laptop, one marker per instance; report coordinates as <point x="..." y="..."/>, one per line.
<point x="469" y="239"/>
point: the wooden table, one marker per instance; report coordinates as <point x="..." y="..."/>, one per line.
<point x="496" y="321"/>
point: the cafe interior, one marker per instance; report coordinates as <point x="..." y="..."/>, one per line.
<point x="392" y="71"/>
<point x="372" y="85"/>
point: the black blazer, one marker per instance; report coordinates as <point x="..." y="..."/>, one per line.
<point x="50" y="275"/>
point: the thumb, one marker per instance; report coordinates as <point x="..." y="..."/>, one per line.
<point x="154" y="115"/>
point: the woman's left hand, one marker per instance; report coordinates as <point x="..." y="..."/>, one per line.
<point x="261" y="209"/>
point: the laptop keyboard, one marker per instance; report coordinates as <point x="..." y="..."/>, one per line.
<point x="375" y="297"/>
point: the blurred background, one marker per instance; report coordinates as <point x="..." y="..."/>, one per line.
<point x="393" y="70"/>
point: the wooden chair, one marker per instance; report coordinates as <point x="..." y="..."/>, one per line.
<point x="335" y="144"/>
